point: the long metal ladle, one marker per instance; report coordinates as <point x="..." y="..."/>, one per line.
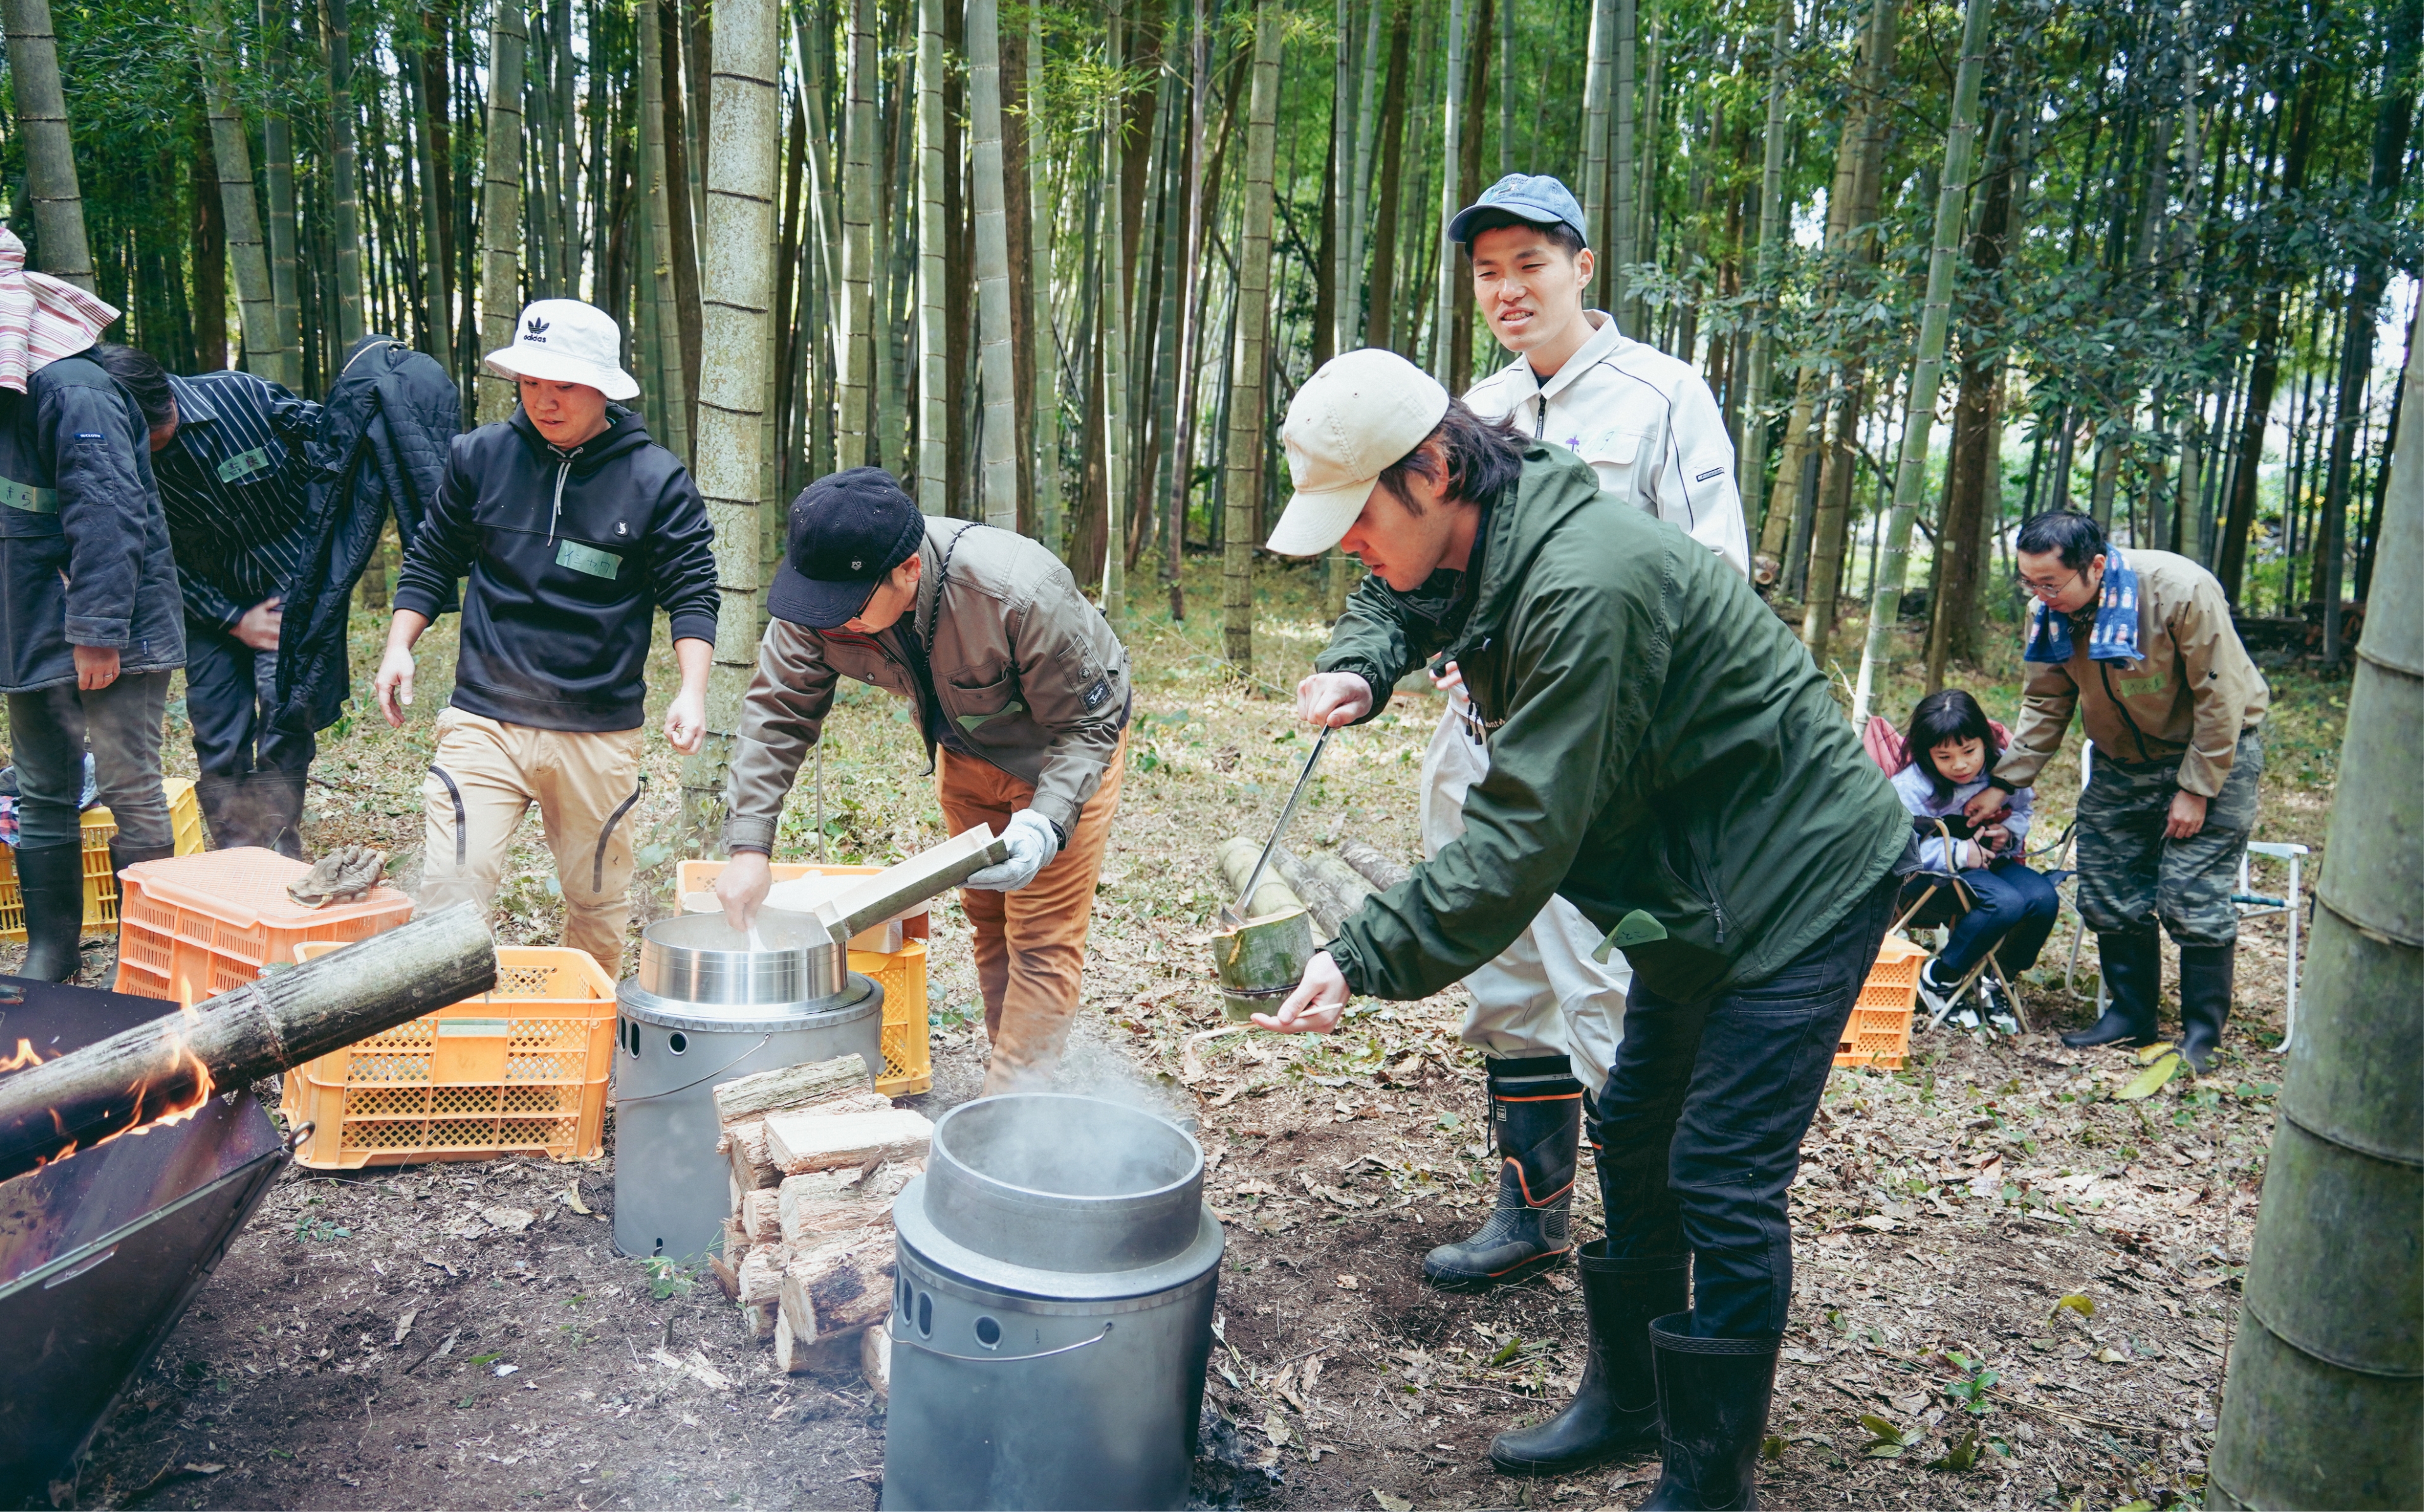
<point x="1232" y="915"/>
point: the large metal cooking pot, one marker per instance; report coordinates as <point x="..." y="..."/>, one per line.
<point x="1052" y="1314"/>
<point x="703" y="1009"/>
<point x="711" y="1003"/>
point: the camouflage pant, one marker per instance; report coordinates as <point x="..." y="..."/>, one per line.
<point x="2130" y="875"/>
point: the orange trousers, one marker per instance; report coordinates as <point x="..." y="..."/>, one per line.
<point x="1030" y="944"/>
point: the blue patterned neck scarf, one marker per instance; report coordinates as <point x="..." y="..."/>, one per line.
<point x="2115" y="635"/>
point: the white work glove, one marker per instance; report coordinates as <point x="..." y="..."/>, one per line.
<point x="1032" y="842"/>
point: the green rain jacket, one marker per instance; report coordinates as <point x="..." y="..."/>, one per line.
<point x="1662" y="753"/>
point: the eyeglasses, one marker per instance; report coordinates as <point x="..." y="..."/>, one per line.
<point x="2047" y="590"/>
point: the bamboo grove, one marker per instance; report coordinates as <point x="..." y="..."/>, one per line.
<point x="1064" y="265"/>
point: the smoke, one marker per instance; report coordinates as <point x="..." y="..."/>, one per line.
<point x="1069" y="1146"/>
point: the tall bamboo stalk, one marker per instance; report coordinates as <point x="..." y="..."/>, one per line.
<point x="1347" y="149"/>
<point x="857" y="426"/>
<point x="999" y="447"/>
<point x="670" y="387"/>
<point x="344" y="196"/>
<point x="60" y="249"/>
<point x="1246" y="447"/>
<point x="278" y="180"/>
<point x="1117" y="433"/>
<point x="933" y="323"/>
<point x="232" y="151"/>
<point x="1919" y="414"/>
<point x="1625" y="169"/>
<point x="736" y="285"/>
<point x="1046" y="365"/>
<point x="2325" y="1376"/>
<point x="500" y="206"/>
<point x="1451" y="192"/>
<point x="1190" y="314"/>
<point x="1599" y="74"/>
<point x="1753" y="475"/>
<point x="437" y="320"/>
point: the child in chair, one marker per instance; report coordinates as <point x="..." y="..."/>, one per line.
<point x="1952" y="747"/>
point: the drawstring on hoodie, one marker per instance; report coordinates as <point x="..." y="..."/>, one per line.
<point x="563" y="470"/>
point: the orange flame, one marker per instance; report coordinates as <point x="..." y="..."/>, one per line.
<point x="23" y="1058"/>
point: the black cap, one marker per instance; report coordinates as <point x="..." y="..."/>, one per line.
<point x="847" y="531"/>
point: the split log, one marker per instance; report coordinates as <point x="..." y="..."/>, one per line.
<point x="736" y="1244"/>
<point x="757" y="1319"/>
<point x="753" y="1167"/>
<point x="1374" y="865"/>
<point x="758" y="1218"/>
<point x="902" y="887"/>
<point x="1331" y="891"/>
<point x="1237" y="855"/>
<point x="231" y="1041"/>
<point x="843" y="1284"/>
<point x="788" y="1087"/>
<point x="1259" y="964"/>
<point x="821" y="1203"/>
<point x="813" y="1141"/>
<point x="875" y="1361"/>
<point x="790" y="1356"/>
<point x="727" y="1280"/>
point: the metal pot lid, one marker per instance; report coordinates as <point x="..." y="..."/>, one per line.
<point x="916" y="1231"/>
<point x="858" y="997"/>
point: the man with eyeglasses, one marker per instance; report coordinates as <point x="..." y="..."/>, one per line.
<point x="2140" y="645"/>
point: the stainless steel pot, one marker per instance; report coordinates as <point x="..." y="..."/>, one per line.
<point x="1052" y="1314"/>
<point x="703" y="1009"/>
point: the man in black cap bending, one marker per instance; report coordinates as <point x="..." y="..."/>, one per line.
<point x="1012" y="676"/>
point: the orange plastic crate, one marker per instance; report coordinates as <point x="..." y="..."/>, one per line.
<point x="520" y="1069"/>
<point x="100" y="827"/>
<point x="1878" y="1034"/>
<point x="193" y="927"/>
<point x="908" y="1055"/>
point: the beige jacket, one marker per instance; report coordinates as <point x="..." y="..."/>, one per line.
<point x="2186" y="699"/>
<point x="1026" y="670"/>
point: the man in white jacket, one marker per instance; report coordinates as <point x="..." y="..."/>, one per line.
<point x="1547" y="1014"/>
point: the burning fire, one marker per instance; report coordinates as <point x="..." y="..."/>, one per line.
<point x="23" y="1058"/>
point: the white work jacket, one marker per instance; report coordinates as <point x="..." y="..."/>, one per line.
<point x="1645" y="422"/>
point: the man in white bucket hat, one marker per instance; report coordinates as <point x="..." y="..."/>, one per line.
<point x="573" y="529"/>
<point x="1664" y="756"/>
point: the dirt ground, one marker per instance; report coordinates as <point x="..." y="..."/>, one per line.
<point x="2001" y="1264"/>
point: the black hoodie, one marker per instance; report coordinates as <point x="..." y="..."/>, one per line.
<point x="569" y="554"/>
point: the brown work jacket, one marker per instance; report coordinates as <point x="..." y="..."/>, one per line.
<point x="1028" y="673"/>
<point x="2186" y="698"/>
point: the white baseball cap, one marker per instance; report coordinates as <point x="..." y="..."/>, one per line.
<point x="1362" y="413"/>
<point x="564" y="341"/>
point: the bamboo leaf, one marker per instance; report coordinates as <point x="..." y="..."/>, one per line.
<point x="2151" y="1080"/>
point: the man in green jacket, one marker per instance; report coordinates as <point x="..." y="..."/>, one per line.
<point x="1663" y="755"/>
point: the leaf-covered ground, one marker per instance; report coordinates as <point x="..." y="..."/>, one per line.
<point x="2015" y="1286"/>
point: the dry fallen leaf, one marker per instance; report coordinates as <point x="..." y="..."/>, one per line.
<point x="2111" y="1356"/>
<point x="511" y="1220"/>
<point x="1348" y="1281"/>
<point x="1391" y="1504"/>
<point x="1878" y="1221"/>
<point x="404" y="1324"/>
<point x="572" y="1200"/>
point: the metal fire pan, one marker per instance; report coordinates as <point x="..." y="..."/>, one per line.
<point x="101" y="1252"/>
<point x="698" y="958"/>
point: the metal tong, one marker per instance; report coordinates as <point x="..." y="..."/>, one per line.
<point x="1232" y="915"/>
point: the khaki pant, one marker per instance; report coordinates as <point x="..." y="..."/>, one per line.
<point x="482" y="778"/>
<point x="1030" y="944"/>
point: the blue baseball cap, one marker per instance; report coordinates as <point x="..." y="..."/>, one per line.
<point x="847" y="531"/>
<point x="1534" y="196"/>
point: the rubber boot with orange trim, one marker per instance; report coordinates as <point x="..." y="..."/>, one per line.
<point x="1536" y="1111"/>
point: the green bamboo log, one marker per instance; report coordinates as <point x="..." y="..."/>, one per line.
<point x="1754" y="475"/>
<point x="1918" y="416"/>
<point x="858" y="423"/>
<point x="344" y="197"/>
<point x="1117" y="431"/>
<point x="1246" y="447"/>
<point x="501" y="207"/>
<point x="998" y="448"/>
<point x="233" y="151"/>
<point x="59" y="244"/>
<point x="667" y="387"/>
<point x="2325" y="1393"/>
<point x="933" y="326"/>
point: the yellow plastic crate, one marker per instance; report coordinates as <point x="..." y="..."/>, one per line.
<point x="1878" y="1034"/>
<point x="908" y="1056"/>
<point x="100" y="882"/>
<point x="194" y="926"/>
<point x="522" y="1070"/>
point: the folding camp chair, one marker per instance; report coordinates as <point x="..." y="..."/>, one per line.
<point x="1938" y="882"/>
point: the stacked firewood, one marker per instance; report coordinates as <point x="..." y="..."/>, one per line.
<point x="817" y="1158"/>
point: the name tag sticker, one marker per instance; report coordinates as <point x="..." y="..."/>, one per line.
<point x="1711" y="473"/>
<point x="26" y="496"/>
<point x="244" y="464"/>
<point x="2148" y="686"/>
<point x="588" y="559"/>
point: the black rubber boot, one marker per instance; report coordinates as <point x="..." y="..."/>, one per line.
<point x="1713" y="1399"/>
<point x="1535" y="1112"/>
<point x="227" y="812"/>
<point x="276" y="801"/>
<point x="50" y="878"/>
<point x="2133" y="973"/>
<point x="1615" y="1410"/>
<point x="2205" y="972"/>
